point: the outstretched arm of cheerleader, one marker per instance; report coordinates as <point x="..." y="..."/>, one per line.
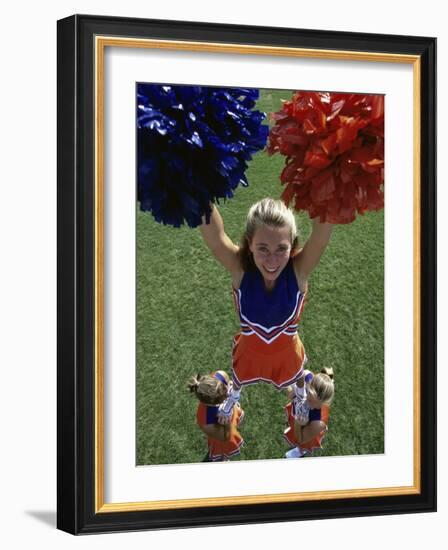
<point x="224" y="250"/>
<point x="217" y="431"/>
<point x="310" y="255"/>
<point x="308" y="432"/>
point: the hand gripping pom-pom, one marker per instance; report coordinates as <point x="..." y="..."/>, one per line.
<point x="232" y="399"/>
<point x="194" y="145"/>
<point x="334" y="149"/>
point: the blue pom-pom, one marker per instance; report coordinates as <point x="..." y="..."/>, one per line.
<point x="194" y="145"/>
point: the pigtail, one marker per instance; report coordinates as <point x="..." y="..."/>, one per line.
<point x="323" y="385"/>
<point x="329" y="372"/>
<point x="208" y="389"/>
<point x="193" y="383"/>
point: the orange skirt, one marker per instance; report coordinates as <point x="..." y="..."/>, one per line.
<point x="279" y="363"/>
<point x="290" y="436"/>
<point x="224" y="450"/>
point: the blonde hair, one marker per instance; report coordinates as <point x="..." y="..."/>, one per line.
<point x="269" y="212"/>
<point x="322" y="386"/>
<point x="208" y="389"/>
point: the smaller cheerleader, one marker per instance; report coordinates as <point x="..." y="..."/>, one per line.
<point x="224" y="441"/>
<point x="308" y="412"/>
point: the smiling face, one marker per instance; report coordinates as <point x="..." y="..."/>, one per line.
<point x="271" y="249"/>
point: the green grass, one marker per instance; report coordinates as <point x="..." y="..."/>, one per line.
<point x="186" y="321"/>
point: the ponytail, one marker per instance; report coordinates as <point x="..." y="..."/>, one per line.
<point x="208" y="389"/>
<point x="322" y="385"/>
<point x="329" y="372"/>
<point x="193" y="383"/>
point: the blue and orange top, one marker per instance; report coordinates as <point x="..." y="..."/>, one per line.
<point x="269" y="314"/>
<point x="268" y="348"/>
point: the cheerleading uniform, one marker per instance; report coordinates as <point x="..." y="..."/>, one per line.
<point x="221" y="450"/>
<point x="268" y="348"/>
<point x="322" y="414"/>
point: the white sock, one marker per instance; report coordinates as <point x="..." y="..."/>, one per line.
<point x="295" y="452"/>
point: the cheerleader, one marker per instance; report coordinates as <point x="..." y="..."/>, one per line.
<point x="224" y="441"/>
<point x="270" y="280"/>
<point x="308" y="420"/>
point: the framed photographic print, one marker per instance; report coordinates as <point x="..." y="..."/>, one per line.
<point x="190" y="296"/>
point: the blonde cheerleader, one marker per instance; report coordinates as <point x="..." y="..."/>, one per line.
<point x="308" y="418"/>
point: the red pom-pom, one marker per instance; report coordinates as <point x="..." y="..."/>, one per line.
<point x="334" y="148"/>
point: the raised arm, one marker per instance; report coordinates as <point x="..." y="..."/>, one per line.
<point x="224" y="250"/>
<point x="308" y="258"/>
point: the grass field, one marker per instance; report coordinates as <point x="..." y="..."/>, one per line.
<point x="186" y="321"/>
